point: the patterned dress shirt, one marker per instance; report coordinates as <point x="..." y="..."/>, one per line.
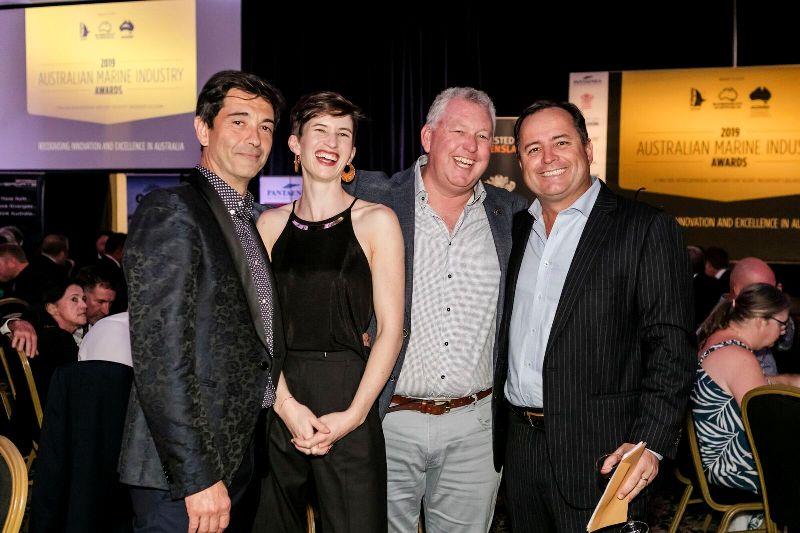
<point x="241" y="210"/>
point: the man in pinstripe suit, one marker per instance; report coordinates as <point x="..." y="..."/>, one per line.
<point x="596" y="352"/>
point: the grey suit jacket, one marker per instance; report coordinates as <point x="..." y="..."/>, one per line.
<point x="397" y="192"/>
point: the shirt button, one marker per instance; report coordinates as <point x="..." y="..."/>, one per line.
<point x="446" y="343"/>
<point x="448" y="309"/>
<point x="546" y="263"/>
<point x="539" y="297"/>
<point x="442" y="376"/>
<point x="232" y="211"/>
<point x="449" y="276"/>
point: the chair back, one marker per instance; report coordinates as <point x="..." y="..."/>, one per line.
<point x="32" y="390"/>
<point x="12" y="307"/>
<point x="13" y="486"/>
<point x="7" y="370"/>
<point x="722" y="499"/>
<point x="771" y="418"/>
<point x="26" y="412"/>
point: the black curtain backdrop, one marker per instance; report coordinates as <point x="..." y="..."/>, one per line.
<point x="394" y="64"/>
<point x="393" y="58"/>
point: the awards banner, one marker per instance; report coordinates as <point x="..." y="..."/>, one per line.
<point x="589" y="91"/>
<point x="717" y="148"/>
<point x="111" y="63"/>
<point x="503" y="170"/>
<point x="718" y="134"/>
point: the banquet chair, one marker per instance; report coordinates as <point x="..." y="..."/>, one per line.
<point x="683" y="470"/>
<point x="728" y="501"/>
<point x="12" y="307"/>
<point x="26" y="411"/>
<point x="771" y="417"/>
<point x="13" y="487"/>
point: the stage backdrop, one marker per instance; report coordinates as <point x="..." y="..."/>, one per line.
<point x="718" y="148"/>
<point x="110" y="85"/>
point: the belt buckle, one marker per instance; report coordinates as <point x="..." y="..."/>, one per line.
<point x="536" y="422"/>
<point x="444" y="404"/>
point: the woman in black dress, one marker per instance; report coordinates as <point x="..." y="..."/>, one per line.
<point x="337" y="261"/>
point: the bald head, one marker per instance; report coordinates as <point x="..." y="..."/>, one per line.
<point x="748" y="271"/>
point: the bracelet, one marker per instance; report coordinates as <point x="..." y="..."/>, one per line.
<point x="280" y="408"/>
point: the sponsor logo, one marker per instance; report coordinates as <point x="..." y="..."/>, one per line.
<point x="586" y="101"/>
<point x="279" y="190"/>
<point x="84" y="31"/>
<point x="588" y="79"/>
<point x="501" y="181"/>
<point x="126" y="29"/>
<point x="761" y="93"/>
<point x="104" y="30"/>
<point x="759" y="101"/>
<point x="727" y="99"/>
<point x="695" y="98"/>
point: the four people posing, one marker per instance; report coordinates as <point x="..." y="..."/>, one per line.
<point x="379" y="307"/>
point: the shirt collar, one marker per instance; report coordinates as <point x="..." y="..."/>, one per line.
<point x="582" y="205"/>
<point x="234" y="202"/>
<point x="478" y="191"/>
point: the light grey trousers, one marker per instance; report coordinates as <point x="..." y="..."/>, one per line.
<point x="444" y="463"/>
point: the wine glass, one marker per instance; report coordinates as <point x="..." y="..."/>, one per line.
<point x="634" y="526"/>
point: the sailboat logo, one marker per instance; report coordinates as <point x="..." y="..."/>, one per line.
<point x="696" y="99"/>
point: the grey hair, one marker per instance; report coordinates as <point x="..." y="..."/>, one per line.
<point x="467" y="93"/>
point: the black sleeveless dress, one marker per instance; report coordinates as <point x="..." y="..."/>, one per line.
<point x="324" y="286"/>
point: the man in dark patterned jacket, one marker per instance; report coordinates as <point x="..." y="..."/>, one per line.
<point x="206" y="337"/>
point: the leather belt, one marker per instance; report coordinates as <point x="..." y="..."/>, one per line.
<point x="534" y="416"/>
<point x="435" y="407"/>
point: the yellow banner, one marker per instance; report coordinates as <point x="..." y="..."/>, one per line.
<point x="112" y="63"/>
<point x="719" y="134"/>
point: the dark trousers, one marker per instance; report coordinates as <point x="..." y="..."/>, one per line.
<point x="155" y="511"/>
<point x="350" y="480"/>
<point x="534" y="502"/>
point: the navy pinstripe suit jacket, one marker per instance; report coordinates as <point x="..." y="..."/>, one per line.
<point x="619" y="362"/>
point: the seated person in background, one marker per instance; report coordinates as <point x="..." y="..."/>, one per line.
<point x="111" y="266"/>
<point x="62" y="312"/>
<point x="108" y="340"/>
<point x="748" y="271"/>
<point x="727" y="370"/>
<point x="19" y="282"/>
<point x="55" y="320"/>
<point x="99" y="293"/>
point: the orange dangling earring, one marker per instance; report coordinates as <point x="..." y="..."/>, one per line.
<point x="348" y="175"/>
<point x="297" y="163"/>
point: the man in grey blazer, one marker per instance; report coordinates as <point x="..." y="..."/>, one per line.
<point x="457" y="234"/>
<point x="596" y="350"/>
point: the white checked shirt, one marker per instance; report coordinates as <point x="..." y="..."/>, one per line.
<point x="454" y="301"/>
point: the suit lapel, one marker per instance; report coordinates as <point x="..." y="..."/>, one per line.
<point x="594" y="235"/>
<point x="499" y="224"/>
<point x="403" y="204"/>
<point x="521" y="231"/>
<point x="225" y="223"/>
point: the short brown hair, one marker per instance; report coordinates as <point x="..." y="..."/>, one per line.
<point x="54" y="244"/>
<point x="323" y="103"/>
